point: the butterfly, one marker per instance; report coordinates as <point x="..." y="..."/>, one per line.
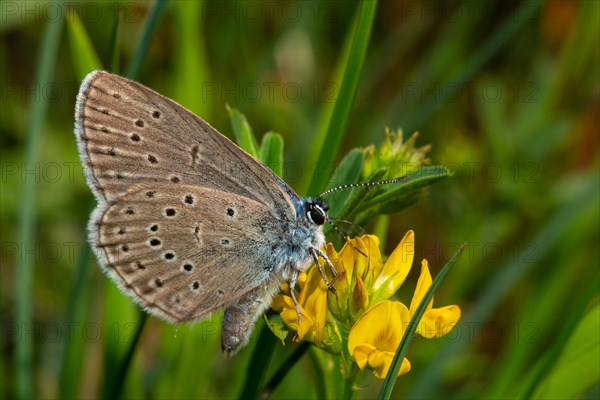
<point x="188" y="223"/>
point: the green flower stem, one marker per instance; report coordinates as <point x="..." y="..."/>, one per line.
<point x="350" y="381"/>
<point x="348" y="368"/>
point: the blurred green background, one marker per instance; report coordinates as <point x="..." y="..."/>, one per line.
<point x="507" y="93"/>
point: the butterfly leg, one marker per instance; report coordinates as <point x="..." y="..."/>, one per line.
<point x="239" y="318"/>
<point x="328" y="261"/>
<point x="315" y="253"/>
<point x="293" y="283"/>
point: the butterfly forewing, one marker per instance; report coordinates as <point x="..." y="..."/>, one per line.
<point x="129" y="134"/>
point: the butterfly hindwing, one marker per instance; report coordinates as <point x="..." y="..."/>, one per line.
<point x="183" y="255"/>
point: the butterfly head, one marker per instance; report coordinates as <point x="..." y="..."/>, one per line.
<point x="316" y="210"/>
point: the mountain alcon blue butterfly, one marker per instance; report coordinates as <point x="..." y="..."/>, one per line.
<point x="188" y="223"/>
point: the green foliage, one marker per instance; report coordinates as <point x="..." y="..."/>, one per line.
<point x="271" y="152"/>
<point x="392" y="375"/>
<point x="243" y="132"/>
<point x="84" y="54"/>
<point x="506" y="96"/>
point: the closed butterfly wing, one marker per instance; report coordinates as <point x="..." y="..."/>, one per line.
<point x="166" y="182"/>
<point x="129" y="134"/>
<point x="185" y="254"/>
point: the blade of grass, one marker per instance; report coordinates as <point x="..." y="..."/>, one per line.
<point x="348" y="171"/>
<point x="492" y="46"/>
<point x="189" y="59"/>
<point x="115" y="39"/>
<point x="82" y="50"/>
<point x="142" y="47"/>
<point x="259" y="362"/>
<point x="553" y="354"/>
<point x="349" y="84"/>
<point x="115" y="389"/>
<point x="23" y="266"/>
<point x="510" y="273"/>
<point x="282" y="371"/>
<point x="73" y="350"/>
<point x="392" y="375"/>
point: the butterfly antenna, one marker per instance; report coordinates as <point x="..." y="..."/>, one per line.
<point x="332" y="220"/>
<point x="352" y="186"/>
<point x="336" y="228"/>
<point x="364" y="184"/>
<point x="354" y="225"/>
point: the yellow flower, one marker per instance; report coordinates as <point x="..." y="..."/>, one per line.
<point x="368" y="279"/>
<point x="313" y="306"/>
<point x="317" y="326"/>
<point x="436" y="322"/>
<point x="375" y="336"/>
<point x="395" y="269"/>
<point x="359" y="307"/>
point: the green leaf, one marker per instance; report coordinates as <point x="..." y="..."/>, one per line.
<point x="359" y="194"/>
<point x="577" y="369"/>
<point x="392" y="375"/>
<point x="396" y="197"/>
<point x="271" y="152"/>
<point x="83" y="52"/>
<point x="347" y="172"/>
<point x="243" y="132"/>
<point x="349" y="84"/>
<point x="276" y="325"/>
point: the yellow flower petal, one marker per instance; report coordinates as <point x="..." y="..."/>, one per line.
<point x="371" y="259"/>
<point x="347" y="255"/>
<point x="438" y="321"/>
<point x="423" y="285"/>
<point x="380" y="362"/>
<point x="278" y="303"/>
<point x="396" y="268"/>
<point x="361" y="354"/>
<point x="381" y="326"/>
<point x="289" y="316"/>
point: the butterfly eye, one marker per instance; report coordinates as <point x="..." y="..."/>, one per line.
<point x="315" y="214"/>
